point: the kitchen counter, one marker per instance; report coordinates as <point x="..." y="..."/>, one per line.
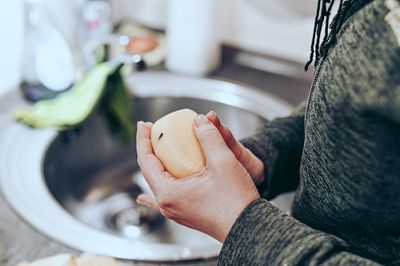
<point x="19" y="241"/>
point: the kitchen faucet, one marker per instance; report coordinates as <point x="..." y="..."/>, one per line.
<point x="132" y="61"/>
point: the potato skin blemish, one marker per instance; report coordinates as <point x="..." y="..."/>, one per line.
<point x="161" y="135"/>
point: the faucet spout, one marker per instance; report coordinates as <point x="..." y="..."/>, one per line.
<point x="131" y="61"/>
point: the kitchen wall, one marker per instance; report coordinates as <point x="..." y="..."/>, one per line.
<point x="278" y="28"/>
<point x="11" y="43"/>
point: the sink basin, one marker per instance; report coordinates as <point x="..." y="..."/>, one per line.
<point x="80" y="188"/>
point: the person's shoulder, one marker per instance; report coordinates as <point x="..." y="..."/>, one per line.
<point x="375" y="30"/>
<point x="380" y="20"/>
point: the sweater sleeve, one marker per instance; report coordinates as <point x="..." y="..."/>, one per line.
<point x="279" y="144"/>
<point x="264" y="235"/>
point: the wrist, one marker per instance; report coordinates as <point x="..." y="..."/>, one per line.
<point x="228" y="220"/>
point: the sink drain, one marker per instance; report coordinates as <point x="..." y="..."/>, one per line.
<point x="116" y="212"/>
<point x="131" y="219"/>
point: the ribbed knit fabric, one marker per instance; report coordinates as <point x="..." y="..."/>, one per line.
<point x="341" y="152"/>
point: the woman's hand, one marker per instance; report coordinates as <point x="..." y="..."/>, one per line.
<point x="252" y="163"/>
<point x="209" y="201"/>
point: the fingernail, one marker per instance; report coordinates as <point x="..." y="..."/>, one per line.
<point x="201" y="120"/>
<point x="140" y="123"/>
<point x="216" y="118"/>
<point x="211" y="114"/>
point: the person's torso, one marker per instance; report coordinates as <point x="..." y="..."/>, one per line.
<point x="350" y="169"/>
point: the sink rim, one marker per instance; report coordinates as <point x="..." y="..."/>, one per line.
<point x="241" y="94"/>
<point x="22" y="143"/>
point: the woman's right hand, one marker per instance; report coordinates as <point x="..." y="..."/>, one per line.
<point x="251" y="163"/>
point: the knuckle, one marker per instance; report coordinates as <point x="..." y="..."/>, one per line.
<point x="228" y="134"/>
<point x="166" y="175"/>
<point x="220" y="160"/>
<point x="243" y="155"/>
<point x="207" y="131"/>
<point x="225" y="159"/>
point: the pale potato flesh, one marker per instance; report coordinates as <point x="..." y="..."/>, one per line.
<point x="57" y="260"/>
<point x="69" y="260"/>
<point x="175" y="144"/>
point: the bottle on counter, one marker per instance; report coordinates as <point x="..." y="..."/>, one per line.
<point x="97" y="17"/>
<point x="48" y="66"/>
<point x="193" y="45"/>
<point x="55" y="33"/>
<point x="11" y="45"/>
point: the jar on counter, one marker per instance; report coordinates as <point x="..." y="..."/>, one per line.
<point x="193" y="45"/>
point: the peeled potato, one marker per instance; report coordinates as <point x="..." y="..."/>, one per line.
<point x="175" y="144"/>
<point x="69" y="260"/>
<point x="96" y="261"/>
<point x="57" y="260"/>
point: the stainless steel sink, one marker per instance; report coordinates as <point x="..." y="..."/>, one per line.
<point x="80" y="188"/>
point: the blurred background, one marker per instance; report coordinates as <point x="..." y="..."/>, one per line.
<point x="192" y="37"/>
<point x="68" y="179"/>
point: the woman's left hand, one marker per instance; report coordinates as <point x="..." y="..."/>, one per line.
<point x="209" y="201"/>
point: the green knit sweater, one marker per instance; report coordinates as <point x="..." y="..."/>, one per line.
<point x="341" y="151"/>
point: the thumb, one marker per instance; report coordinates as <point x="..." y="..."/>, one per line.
<point x="211" y="141"/>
